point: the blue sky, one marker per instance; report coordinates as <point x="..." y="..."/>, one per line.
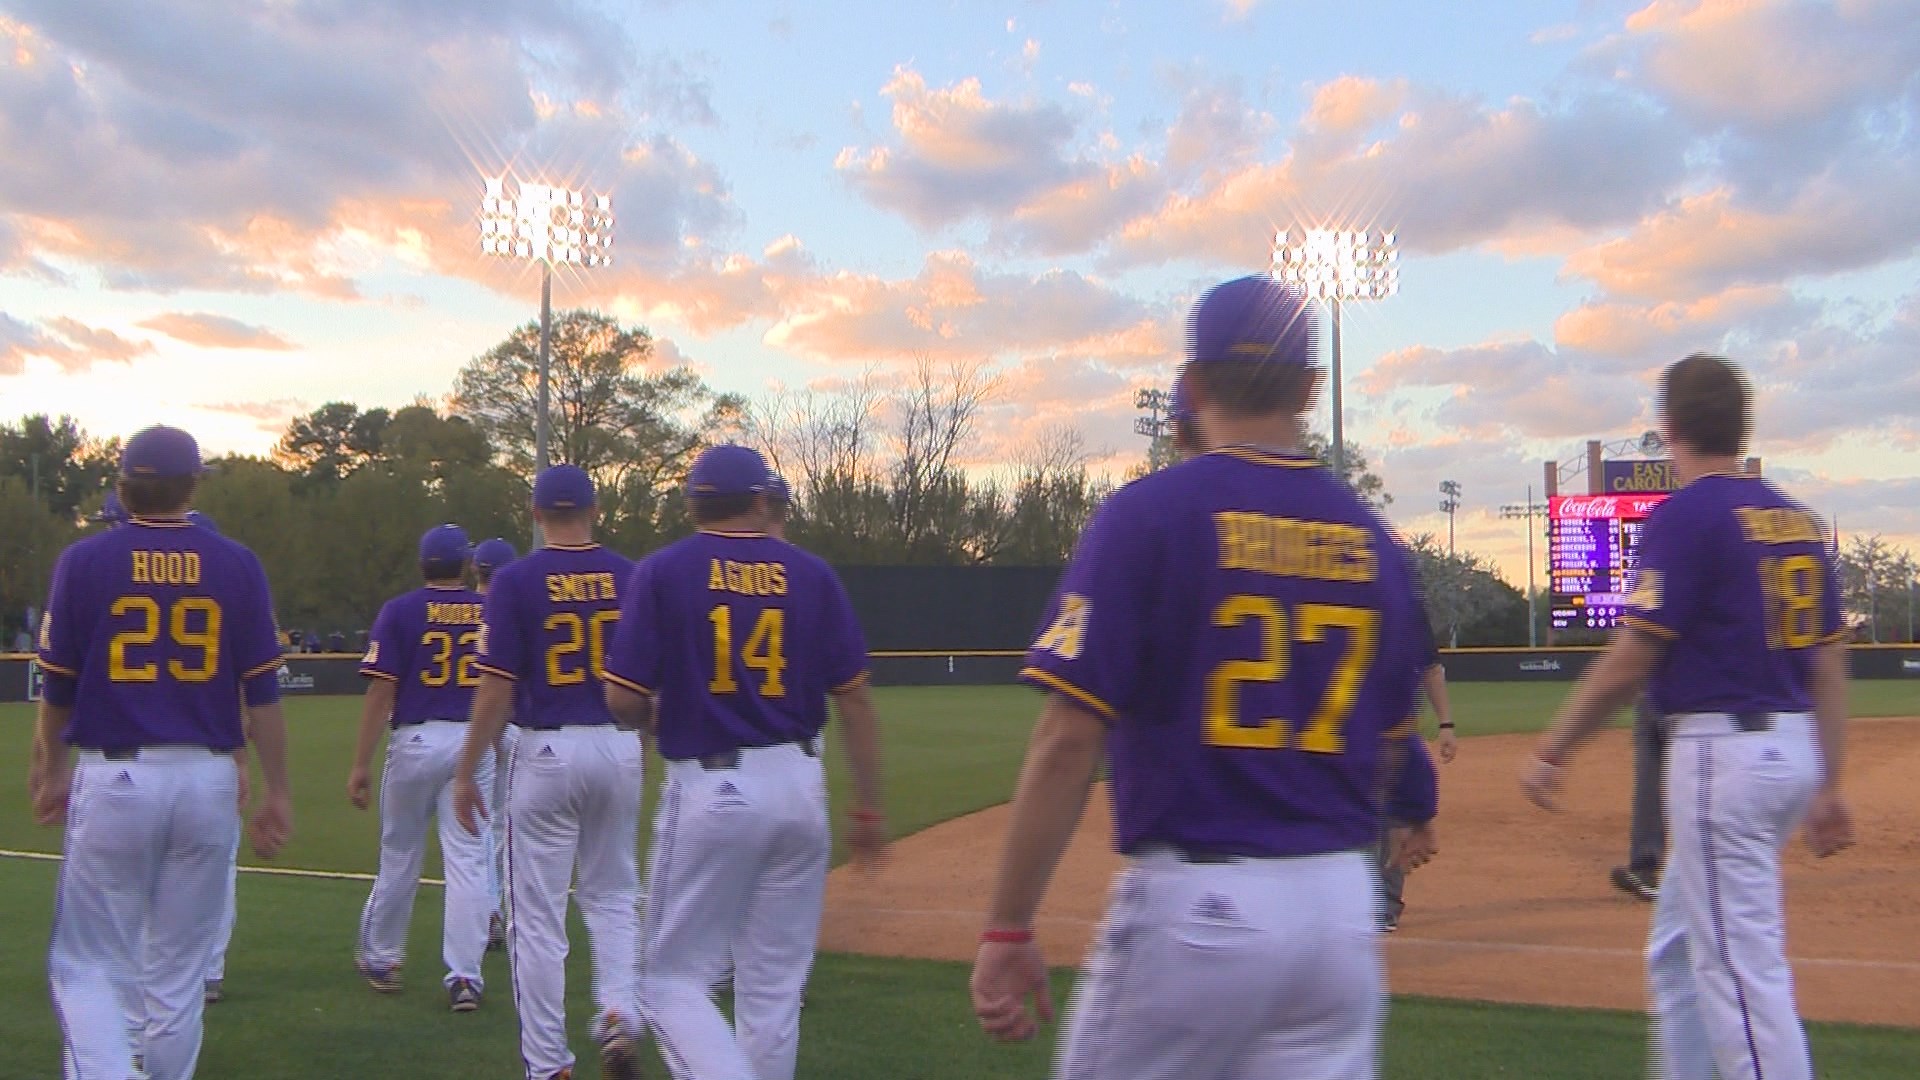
<point x="222" y="218"/>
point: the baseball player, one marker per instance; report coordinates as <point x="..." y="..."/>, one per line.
<point x="1647" y="834"/>
<point x="1188" y="442"/>
<point x="1238" y="632"/>
<point x="731" y="643"/>
<point x="575" y="794"/>
<point x="162" y="660"/>
<point x="1734" y="620"/>
<point x="489" y="556"/>
<point x="779" y="506"/>
<point x="420" y="676"/>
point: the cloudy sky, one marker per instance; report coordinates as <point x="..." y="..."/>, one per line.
<point x="222" y="214"/>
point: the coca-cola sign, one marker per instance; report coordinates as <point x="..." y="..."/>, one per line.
<point x="1624" y="507"/>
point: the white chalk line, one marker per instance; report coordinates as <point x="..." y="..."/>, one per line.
<point x="1401" y="939"/>
<point x="1074" y="920"/>
<point x="266" y="871"/>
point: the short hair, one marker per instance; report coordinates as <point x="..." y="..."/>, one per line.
<point x="577" y="515"/>
<point x="148" y="496"/>
<point x="1186" y="436"/>
<point x="708" y="509"/>
<point x="1254" y="387"/>
<point x="779" y="509"/>
<point x="443" y="569"/>
<point x="1707" y="404"/>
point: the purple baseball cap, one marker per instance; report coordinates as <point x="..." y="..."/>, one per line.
<point x="112" y="511"/>
<point x="492" y="554"/>
<point x="778" y="491"/>
<point x="161" y="452"/>
<point x="729" y="469"/>
<point x="563" y="487"/>
<point x="445" y="544"/>
<point x="1252" y="318"/>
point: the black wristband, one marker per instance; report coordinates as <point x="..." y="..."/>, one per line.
<point x="1448" y="726"/>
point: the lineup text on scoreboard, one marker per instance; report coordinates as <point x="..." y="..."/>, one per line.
<point x="1593" y="547"/>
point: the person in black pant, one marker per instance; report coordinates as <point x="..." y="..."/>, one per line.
<point x="1647" y="842"/>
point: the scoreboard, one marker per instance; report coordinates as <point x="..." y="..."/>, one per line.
<point x="1593" y="548"/>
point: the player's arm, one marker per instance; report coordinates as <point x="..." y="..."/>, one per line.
<point x="1063" y="756"/>
<point x="60" y="653"/>
<point x="492" y="708"/>
<point x="502" y="662"/>
<point x="632" y="709"/>
<point x="1609" y="686"/>
<point x="860" y="738"/>
<point x="376" y="708"/>
<point x="1434" y="685"/>
<point x="50" y="775"/>
<point x="631" y="669"/>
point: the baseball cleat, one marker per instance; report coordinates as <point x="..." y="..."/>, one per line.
<point x="1635" y="883"/>
<point x="215" y="991"/>
<point x="1389" y="924"/>
<point x="563" y="1074"/>
<point x="385" y="980"/>
<point x="619" y="1051"/>
<point x="496" y="933"/>
<point x="463" y="995"/>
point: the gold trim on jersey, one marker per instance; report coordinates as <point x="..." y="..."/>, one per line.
<point x="1262" y="457"/>
<point x="627" y="683"/>
<point x="1060" y="685"/>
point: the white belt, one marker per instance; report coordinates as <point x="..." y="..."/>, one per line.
<point x="1710" y="724"/>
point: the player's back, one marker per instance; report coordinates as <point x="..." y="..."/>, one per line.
<point x="163" y="620"/>
<point x="1737" y="576"/>
<point x="436" y="632"/>
<point x="549" y="620"/>
<point x="1275" y="648"/>
<point x="749" y="635"/>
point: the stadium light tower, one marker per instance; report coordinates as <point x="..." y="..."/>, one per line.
<point x="1528" y="510"/>
<point x="547" y="225"/>
<point x="1338" y="266"/>
<point x="1154" y="403"/>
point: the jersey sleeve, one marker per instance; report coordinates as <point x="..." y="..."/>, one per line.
<point x="257" y="636"/>
<point x="1666" y="594"/>
<point x="1414" y="794"/>
<point x="62" y="646"/>
<point x="384" y="650"/>
<point x="846" y="645"/>
<point x="633" y="657"/>
<point x="1092" y="643"/>
<point x="503" y="643"/>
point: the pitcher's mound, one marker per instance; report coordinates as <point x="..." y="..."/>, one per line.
<point x="1516" y="908"/>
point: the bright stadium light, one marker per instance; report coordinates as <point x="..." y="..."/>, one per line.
<point x="548" y="225"/>
<point x="1337" y="266"/>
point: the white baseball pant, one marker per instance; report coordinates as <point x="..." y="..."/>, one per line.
<point x="417" y="784"/>
<point x="216" y="960"/>
<point x="575" y="802"/>
<point x="738" y="867"/>
<point x="1717" y="954"/>
<point x="148" y="845"/>
<point x="496" y="831"/>
<point x="1242" y="970"/>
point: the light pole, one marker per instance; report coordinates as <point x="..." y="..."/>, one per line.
<point x="1154" y="403"/>
<point x="548" y="225"/>
<point x="1528" y="510"/>
<point x="1450" y="490"/>
<point x="1336" y="266"/>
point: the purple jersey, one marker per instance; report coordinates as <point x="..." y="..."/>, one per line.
<point x="741" y="637"/>
<point x="549" y="623"/>
<point x="1736" y="578"/>
<point x="427" y="642"/>
<point x="1249" y="629"/>
<point x="153" y="634"/>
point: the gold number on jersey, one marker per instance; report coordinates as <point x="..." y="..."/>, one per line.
<point x="443" y="668"/>
<point x="1310" y="623"/>
<point x="590" y="634"/>
<point x="765" y="651"/>
<point x="1791" y="585"/>
<point x="193" y="622"/>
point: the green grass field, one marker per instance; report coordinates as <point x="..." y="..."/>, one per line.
<point x="297" y="1010"/>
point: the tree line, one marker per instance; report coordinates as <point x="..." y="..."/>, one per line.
<point x="883" y="472"/>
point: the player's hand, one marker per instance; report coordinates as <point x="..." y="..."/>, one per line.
<point x="1449" y="745"/>
<point x="1412" y="847"/>
<point x="1829" y="823"/>
<point x="1540" y="780"/>
<point x="272" y="824"/>
<point x="867" y="837"/>
<point x="1005" y="976"/>
<point x="48" y="787"/>
<point x="468" y="807"/>
<point x="243" y="783"/>
<point x="359" y="788"/>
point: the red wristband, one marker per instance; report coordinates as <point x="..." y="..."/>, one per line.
<point x="862" y="813"/>
<point x="1004" y="936"/>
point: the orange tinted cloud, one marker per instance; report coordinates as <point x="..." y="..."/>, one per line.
<point x="216" y="332"/>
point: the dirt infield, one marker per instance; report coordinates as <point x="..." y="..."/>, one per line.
<point x="1517" y="908"/>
